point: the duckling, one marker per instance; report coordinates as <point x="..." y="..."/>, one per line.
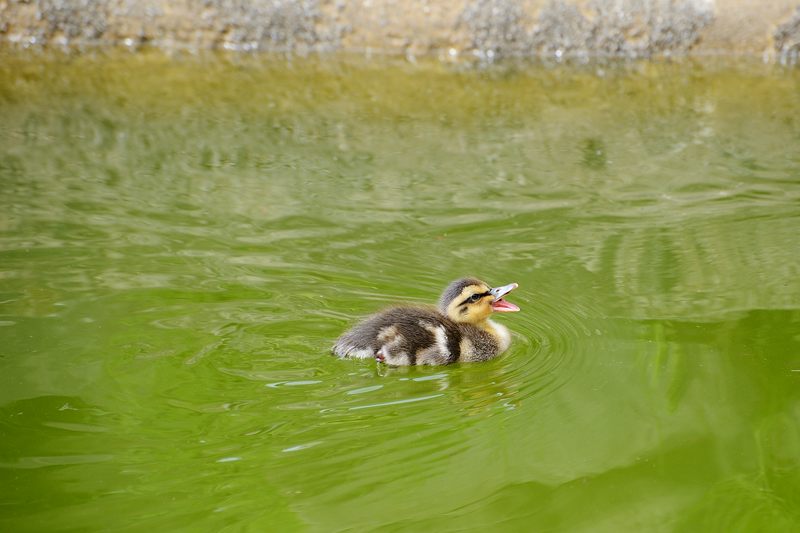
<point x="458" y="331"/>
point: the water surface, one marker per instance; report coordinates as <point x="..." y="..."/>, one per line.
<point x="182" y="239"/>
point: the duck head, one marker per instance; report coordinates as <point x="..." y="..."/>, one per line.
<point x="472" y="301"/>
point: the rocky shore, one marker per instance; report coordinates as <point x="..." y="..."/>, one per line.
<point x="450" y="29"/>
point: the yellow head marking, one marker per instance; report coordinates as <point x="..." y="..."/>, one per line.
<point x="472" y="305"/>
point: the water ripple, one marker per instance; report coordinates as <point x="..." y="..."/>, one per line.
<point x="558" y="335"/>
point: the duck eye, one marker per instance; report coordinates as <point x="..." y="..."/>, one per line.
<point x="474" y="298"/>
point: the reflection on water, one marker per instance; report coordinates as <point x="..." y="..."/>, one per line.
<point x="182" y="239"/>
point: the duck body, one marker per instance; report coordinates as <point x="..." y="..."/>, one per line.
<point x="458" y="331"/>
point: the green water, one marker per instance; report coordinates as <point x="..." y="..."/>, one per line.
<point x="182" y="239"/>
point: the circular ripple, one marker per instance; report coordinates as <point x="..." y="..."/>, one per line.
<point x="557" y="334"/>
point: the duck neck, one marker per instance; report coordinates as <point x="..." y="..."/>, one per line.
<point x="498" y="331"/>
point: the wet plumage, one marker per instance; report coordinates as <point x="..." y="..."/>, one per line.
<point x="459" y="330"/>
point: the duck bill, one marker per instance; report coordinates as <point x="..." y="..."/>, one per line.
<point x="499" y="304"/>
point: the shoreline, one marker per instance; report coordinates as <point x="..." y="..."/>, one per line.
<point x="451" y="30"/>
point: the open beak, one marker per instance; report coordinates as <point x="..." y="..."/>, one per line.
<point x="501" y="305"/>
